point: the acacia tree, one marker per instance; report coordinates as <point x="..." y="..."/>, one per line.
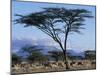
<point x="57" y="55"/>
<point x="16" y="58"/>
<point x="91" y="55"/>
<point x="34" y="54"/>
<point x="57" y="23"/>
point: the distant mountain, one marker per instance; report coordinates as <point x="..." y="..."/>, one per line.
<point x="73" y="52"/>
<point x="18" y="43"/>
<point x="45" y="50"/>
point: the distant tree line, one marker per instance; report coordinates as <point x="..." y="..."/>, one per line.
<point x="91" y="55"/>
<point x="35" y="54"/>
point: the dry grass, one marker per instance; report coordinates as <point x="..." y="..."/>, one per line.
<point x="84" y="66"/>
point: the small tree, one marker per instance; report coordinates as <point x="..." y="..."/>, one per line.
<point x="16" y="59"/>
<point x="57" y="23"/>
<point x="29" y="49"/>
<point x="57" y="55"/>
<point x="34" y="54"/>
<point x="90" y="55"/>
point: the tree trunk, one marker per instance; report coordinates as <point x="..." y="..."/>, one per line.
<point x="66" y="60"/>
<point x="65" y="44"/>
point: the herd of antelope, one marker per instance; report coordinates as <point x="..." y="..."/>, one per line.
<point x="52" y="66"/>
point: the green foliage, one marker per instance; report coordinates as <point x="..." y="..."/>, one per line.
<point x="37" y="57"/>
<point x="91" y="55"/>
<point x="16" y="58"/>
<point x="34" y="54"/>
<point x="45" y="20"/>
<point x="30" y="49"/>
<point x="57" y="55"/>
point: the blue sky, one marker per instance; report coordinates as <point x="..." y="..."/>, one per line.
<point x="76" y="41"/>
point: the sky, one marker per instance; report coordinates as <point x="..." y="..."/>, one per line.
<point x="80" y="42"/>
